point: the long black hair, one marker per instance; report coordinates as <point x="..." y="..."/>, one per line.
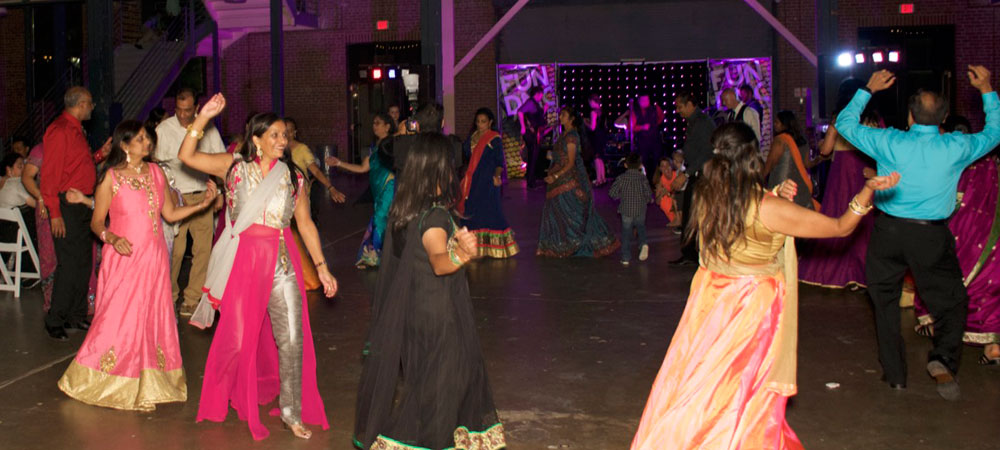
<point x="731" y="182"/>
<point x="792" y="126"/>
<point x="489" y="116"/>
<point x="123" y="135"/>
<point x="256" y="127"/>
<point x="427" y="178"/>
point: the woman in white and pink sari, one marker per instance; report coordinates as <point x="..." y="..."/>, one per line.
<point x="263" y="346"/>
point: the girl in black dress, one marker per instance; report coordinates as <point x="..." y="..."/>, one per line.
<point x="424" y="382"/>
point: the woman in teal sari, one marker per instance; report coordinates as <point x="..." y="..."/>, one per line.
<point x="571" y="225"/>
<point x="383" y="186"/>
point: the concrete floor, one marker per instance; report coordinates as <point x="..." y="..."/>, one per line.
<point x="572" y="348"/>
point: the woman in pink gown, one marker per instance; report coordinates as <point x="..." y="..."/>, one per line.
<point x="730" y="367"/>
<point x="263" y="346"/>
<point x="130" y="358"/>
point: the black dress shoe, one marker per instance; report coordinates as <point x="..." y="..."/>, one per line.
<point x="82" y="325"/>
<point x="682" y="262"/>
<point x="57" y="333"/>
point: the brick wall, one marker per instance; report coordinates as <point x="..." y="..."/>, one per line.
<point x="316" y="65"/>
<point x="12" y="80"/>
<point x="976" y="33"/>
<point x="791" y="70"/>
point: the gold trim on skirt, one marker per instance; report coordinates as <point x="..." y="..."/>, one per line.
<point x="94" y="387"/>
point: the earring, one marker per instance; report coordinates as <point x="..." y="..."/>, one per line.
<point x="128" y="159"/>
<point x="259" y="153"/>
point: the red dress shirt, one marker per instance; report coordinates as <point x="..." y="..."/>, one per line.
<point x="68" y="162"/>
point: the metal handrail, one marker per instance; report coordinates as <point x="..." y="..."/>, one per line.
<point x="178" y="42"/>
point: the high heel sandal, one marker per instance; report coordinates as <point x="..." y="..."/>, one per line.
<point x="925" y="330"/>
<point x="298" y="429"/>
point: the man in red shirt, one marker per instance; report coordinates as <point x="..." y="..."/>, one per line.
<point x="69" y="164"/>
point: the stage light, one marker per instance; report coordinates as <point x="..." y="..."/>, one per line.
<point x="877" y="57"/>
<point x="392" y="74"/>
<point x="844" y="59"/>
<point x="376" y="74"/>
<point x="893" y="56"/>
<point x="859" y="58"/>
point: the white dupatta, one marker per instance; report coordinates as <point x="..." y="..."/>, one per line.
<point x="220" y="264"/>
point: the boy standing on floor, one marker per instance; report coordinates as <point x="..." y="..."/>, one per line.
<point x="632" y="189"/>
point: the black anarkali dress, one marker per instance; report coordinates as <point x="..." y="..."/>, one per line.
<point x="424" y="382"/>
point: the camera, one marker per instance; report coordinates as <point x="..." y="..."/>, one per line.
<point x="411" y="125"/>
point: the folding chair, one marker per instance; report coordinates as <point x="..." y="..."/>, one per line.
<point x="12" y="281"/>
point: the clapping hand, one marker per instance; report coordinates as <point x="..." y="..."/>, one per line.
<point x="881" y="183"/>
<point x="881" y="81"/>
<point x="787" y="190"/>
<point x="213" y="107"/>
<point x="467" y="243"/>
<point x="979" y="77"/>
<point x="210" y="193"/>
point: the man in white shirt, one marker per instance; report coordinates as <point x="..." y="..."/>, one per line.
<point x="191" y="184"/>
<point x="740" y="112"/>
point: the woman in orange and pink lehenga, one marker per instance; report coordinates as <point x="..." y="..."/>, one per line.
<point x="730" y="367"/>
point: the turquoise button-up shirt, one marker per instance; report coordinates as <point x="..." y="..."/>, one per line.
<point x="930" y="162"/>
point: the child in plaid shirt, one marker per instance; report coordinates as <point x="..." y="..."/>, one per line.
<point x="632" y="189"/>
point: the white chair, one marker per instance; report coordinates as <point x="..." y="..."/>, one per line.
<point x="12" y="281"/>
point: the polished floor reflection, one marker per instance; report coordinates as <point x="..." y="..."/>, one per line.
<point x="572" y="348"/>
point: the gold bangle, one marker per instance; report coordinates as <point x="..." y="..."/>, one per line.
<point x="197" y="134"/>
<point x="856" y="207"/>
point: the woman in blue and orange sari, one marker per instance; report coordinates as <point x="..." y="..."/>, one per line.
<point x="479" y="203"/>
<point x="570" y="223"/>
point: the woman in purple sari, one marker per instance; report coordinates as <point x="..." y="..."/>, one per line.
<point x="840" y="262"/>
<point x="976" y="232"/>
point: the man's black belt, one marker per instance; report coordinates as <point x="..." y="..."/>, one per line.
<point x="916" y="221"/>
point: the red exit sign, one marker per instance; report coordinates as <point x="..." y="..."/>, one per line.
<point x="906" y="8"/>
<point x="382" y="25"/>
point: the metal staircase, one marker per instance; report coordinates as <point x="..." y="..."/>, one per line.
<point x="237" y="19"/>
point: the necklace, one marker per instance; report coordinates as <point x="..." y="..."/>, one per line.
<point x="137" y="168"/>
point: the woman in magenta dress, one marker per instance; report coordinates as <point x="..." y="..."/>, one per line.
<point x="263" y="346"/>
<point x="976" y="233"/>
<point x="130" y="358"/>
<point x="840" y="262"/>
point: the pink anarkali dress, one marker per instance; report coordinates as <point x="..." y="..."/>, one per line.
<point x="130" y="358"/>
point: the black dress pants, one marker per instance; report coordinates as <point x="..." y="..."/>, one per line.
<point x="929" y="252"/>
<point x="533" y="157"/>
<point x="74" y="258"/>
<point x="690" y="250"/>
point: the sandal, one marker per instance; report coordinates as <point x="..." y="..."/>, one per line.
<point x="299" y="430"/>
<point x="925" y="330"/>
<point x="987" y="361"/>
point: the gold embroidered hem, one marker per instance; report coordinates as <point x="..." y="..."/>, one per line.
<point x="981" y="338"/>
<point x="491" y="439"/>
<point x="97" y="388"/>
<point x="496" y="244"/>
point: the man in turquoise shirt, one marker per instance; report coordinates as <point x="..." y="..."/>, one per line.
<point x="911" y="232"/>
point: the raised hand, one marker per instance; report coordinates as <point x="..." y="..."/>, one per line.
<point x="213" y="107"/>
<point x="883" y="182"/>
<point x="881" y="81"/>
<point x="979" y="78"/>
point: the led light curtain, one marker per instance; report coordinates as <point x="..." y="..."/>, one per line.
<point x="514" y="81"/>
<point x="619" y="83"/>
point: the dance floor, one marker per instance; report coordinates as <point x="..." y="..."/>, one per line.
<point x="572" y="347"/>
